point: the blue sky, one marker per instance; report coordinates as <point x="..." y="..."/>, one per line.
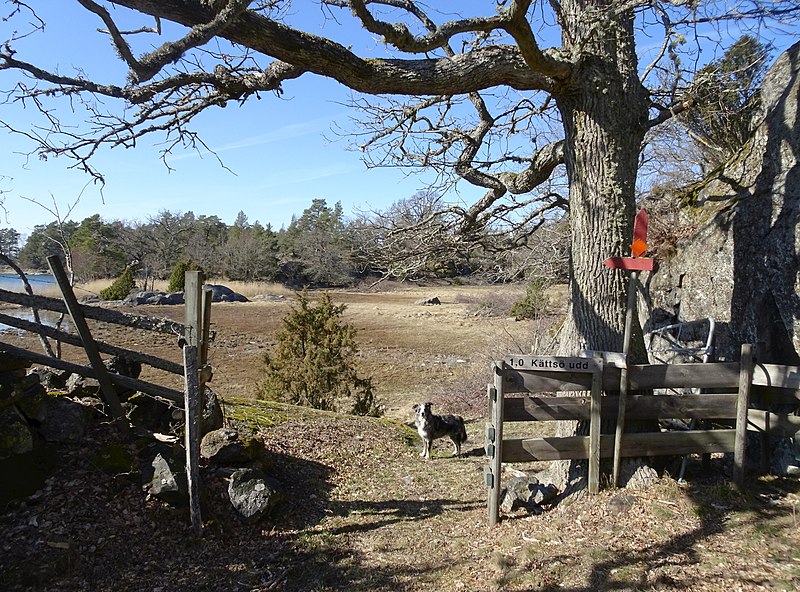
<point x="277" y="161"/>
<point x="279" y="153"/>
<point x="275" y="149"/>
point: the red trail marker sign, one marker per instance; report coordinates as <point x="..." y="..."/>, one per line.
<point x="638" y="246"/>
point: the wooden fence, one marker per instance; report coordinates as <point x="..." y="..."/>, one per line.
<point x="193" y="337"/>
<point x="516" y="395"/>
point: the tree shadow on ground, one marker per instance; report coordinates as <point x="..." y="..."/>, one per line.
<point x="716" y="502"/>
<point x="385" y="513"/>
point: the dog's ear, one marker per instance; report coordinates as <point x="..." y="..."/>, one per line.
<point x="429" y="405"/>
<point x="416" y="406"/>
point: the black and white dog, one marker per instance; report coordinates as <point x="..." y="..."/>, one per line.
<point x="430" y="427"/>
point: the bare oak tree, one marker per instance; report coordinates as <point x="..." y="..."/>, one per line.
<point x="502" y="100"/>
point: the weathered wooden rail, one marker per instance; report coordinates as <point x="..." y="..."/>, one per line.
<point x="516" y="395"/>
<point x="193" y="337"/>
<point x="97" y="313"/>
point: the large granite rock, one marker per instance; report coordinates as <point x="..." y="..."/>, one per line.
<point x="742" y="264"/>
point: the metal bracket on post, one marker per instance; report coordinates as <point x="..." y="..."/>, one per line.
<point x="488" y="477"/>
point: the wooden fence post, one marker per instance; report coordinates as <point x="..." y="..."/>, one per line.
<point x="743" y="402"/>
<point x="198" y="313"/>
<point x="595" y="425"/>
<point x="106" y="386"/>
<point x="623" y="376"/>
<point x="192" y="435"/>
<point x="192" y="294"/>
<point x="496" y="461"/>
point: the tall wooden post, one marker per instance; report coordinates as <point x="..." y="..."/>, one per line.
<point x="634" y="264"/>
<point x="623" y="375"/>
<point x="198" y="313"/>
<point x="595" y="424"/>
<point x="192" y="291"/>
<point x="192" y="435"/>
<point x="107" y="389"/>
<point x="743" y="402"/>
<point x="496" y="430"/>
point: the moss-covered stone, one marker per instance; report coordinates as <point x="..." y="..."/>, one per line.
<point x="113" y="459"/>
<point x="15" y="436"/>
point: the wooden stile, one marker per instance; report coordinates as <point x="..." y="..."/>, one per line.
<point x="521" y="381"/>
<point x="574" y="369"/>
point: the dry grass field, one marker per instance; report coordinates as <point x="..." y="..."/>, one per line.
<point x="363" y="512"/>
<point x="411" y="351"/>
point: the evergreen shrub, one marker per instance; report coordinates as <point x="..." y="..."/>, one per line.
<point x="314" y="361"/>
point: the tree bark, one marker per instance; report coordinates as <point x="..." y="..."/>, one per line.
<point x="604" y="111"/>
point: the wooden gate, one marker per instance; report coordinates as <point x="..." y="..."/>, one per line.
<point x="193" y="336"/>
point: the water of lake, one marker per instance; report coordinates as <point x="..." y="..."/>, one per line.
<point x="38" y="281"/>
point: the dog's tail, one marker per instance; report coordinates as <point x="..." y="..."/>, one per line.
<point x="463" y="434"/>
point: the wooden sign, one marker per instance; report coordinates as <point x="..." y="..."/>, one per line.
<point x="552" y="363"/>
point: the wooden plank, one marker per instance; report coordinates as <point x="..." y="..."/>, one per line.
<point x="777" y="424"/>
<point x="109" y="394"/>
<point x="777" y="376"/>
<point x="715" y="375"/>
<point x="639" y="444"/>
<point x="745" y="380"/>
<point x="699" y="406"/>
<point x="630" y="263"/>
<point x="770" y="395"/>
<point x="594" y="430"/>
<point x="555" y="364"/>
<point x="96" y="313"/>
<point x="516" y="381"/>
<point x="124" y="381"/>
<point x="106" y="348"/>
<point x="192" y="435"/>
<point x="545" y="408"/>
<point x="641" y="377"/>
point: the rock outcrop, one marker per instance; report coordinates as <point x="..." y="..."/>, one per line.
<point x="742" y="265"/>
<point x="218" y="294"/>
<point x="34" y="422"/>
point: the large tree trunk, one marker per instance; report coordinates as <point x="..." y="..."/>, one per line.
<point x="604" y="112"/>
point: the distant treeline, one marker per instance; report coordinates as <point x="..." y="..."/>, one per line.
<point x="320" y="248"/>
